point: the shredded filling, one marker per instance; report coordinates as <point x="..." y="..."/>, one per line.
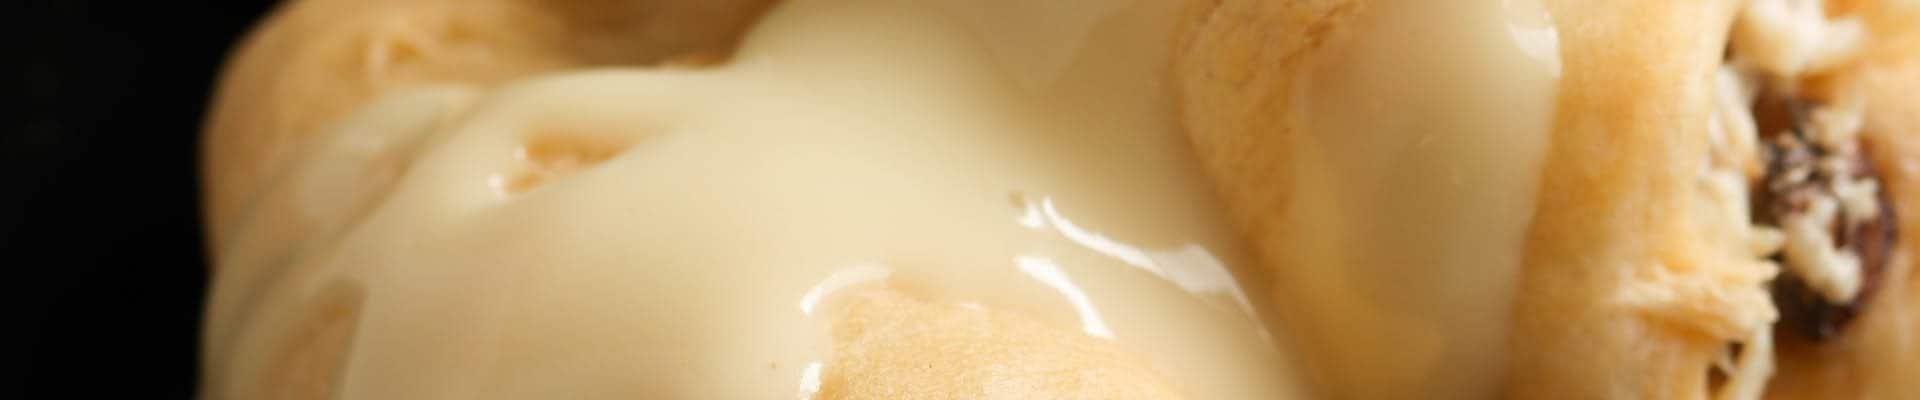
<point x="1815" y="204"/>
<point x="1820" y="191"/>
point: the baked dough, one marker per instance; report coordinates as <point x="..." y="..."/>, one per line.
<point x="520" y="199"/>
<point x="1627" y="282"/>
<point x="313" y="61"/>
<point x="1632" y="286"/>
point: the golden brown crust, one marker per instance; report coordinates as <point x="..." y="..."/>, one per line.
<point x="1613" y="211"/>
<point x="1242" y="55"/>
<point x="892" y="346"/>
<point x="1628" y="139"/>
<point x="1627" y="143"/>
<point x="1233" y="65"/>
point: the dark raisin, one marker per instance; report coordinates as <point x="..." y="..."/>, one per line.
<point x="1791" y="182"/>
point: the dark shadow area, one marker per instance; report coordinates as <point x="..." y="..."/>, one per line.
<point x="99" y="219"/>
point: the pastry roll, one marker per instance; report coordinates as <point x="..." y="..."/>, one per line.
<point x="1572" y="199"/>
<point x="1125" y="199"/>
<point x="681" y="199"/>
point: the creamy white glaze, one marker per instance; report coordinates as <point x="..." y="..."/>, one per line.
<point x="671" y="234"/>
<point x="1424" y="131"/>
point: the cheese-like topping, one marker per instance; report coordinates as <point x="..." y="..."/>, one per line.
<point x="1733" y="161"/>
<point x="1747" y="378"/>
<point x="1837" y="125"/>
<point x="1857" y="199"/>
<point x="1788" y="38"/>
<point x="828" y="215"/>
<point x="1423" y="137"/>
<point x="1723" y="212"/>
<point x="1811" y="254"/>
<point x="1776" y="43"/>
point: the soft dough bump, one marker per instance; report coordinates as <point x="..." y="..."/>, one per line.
<point x="313" y="61"/>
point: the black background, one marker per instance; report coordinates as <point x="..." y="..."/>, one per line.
<point x="99" y="220"/>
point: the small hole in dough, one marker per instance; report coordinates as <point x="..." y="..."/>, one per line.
<point x="551" y="156"/>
